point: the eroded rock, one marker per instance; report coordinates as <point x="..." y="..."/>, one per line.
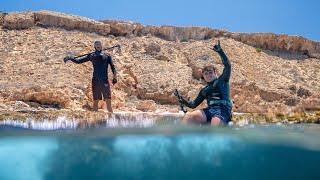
<point x="2" y="15"/>
<point x="302" y="92"/>
<point x="146" y="105"/>
<point x="18" y="20"/>
<point x="268" y="41"/>
<point x="69" y="22"/>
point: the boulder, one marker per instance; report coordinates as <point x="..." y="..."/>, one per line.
<point x="302" y="92"/>
<point x="146" y="105"/>
<point x="153" y="49"/>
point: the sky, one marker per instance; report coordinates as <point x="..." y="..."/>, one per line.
<point x="292" y="17"/>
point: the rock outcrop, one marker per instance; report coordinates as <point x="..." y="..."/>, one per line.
<point x="2" y="15"/>
<point x="267" y="41"/>
<point x="270" y="41"/>
<point x="18" y="20"/>
<point x="122" y="28"/>
<point x="69" y="22"/>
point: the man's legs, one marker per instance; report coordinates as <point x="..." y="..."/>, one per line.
<point x="95" y="105"/>
<point x="101" y="89"/>
<point x="96" y="94"/>
<point x="106" y="92"/>
<point x="107" y="105"/>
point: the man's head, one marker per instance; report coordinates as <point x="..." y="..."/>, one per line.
<point x="98" y="45"/>
<point x="209" y="73"/>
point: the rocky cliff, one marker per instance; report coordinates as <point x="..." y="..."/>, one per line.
<point x="270" y="73"/>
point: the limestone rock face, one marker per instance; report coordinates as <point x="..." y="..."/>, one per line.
<point x="287" y="43"/>
<point x="2" y="15"/>
<point x="69" y="22"/>
<point x="18" y="20"/>
<point x="267" y="41"/>
<point x="172" y="33"/>
<point x="119" y="28"/>
<point x="154" y="61"/>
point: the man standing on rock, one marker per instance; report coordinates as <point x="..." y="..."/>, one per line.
<point x="100" y="83"/>
<point x="217" y="94"/>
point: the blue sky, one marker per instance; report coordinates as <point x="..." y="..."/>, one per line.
<point x="295" y="17"/>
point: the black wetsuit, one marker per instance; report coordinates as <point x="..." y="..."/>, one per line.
<point x="100" y="83"/>
<point x="217" y="94"/>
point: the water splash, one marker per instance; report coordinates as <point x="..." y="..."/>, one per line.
<point x="115" y="120"/>
<point x="60" y="123"/>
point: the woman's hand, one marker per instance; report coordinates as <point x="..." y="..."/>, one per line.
<point x="217" y="47"/>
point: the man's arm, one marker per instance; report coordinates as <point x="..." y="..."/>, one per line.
<point x="81" y="59"/>
<point x="113" y="69"/>
<point x="78" y="60"/>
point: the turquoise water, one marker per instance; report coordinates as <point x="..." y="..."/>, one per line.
<point x="162" y="152"/>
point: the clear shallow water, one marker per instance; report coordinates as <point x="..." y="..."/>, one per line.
<point x="162" y="152"/>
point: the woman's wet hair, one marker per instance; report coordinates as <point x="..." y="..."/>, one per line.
<point x="208" y="68"/>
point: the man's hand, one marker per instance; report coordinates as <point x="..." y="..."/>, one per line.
<point x="114" y="80"/>
<point x="217" y="47"/>
<point x="65" y="59"/>
<point x="68" y="58"/>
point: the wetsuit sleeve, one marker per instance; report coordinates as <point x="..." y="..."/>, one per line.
<point x="225" y="76"/>
<point x="112" y="65"/>
<point x="82" y="59"/>
<point x="193" y="104"/>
